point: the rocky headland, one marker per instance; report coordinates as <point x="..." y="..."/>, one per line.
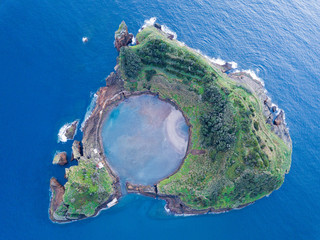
<point x="122" y="36"/>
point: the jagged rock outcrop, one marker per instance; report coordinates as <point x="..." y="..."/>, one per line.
<point x="76" y="150"/>
<point x="122" y="37"/>
<point x="279" y="119"/>
<point x="60" y="158"/>
<point x="278" y="126"/>
<point x="226" y="67"/>
<point x="56" y="197"/>
<point x="144" y="189"/>
<point x="157" y="25"/>
<point x="71" y="130"/>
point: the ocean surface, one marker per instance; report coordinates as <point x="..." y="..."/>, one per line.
<point x="48" y="77"/>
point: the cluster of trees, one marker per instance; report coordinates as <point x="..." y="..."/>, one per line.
<point x="154" y="53"/>
<point x="187" y="66"/>
<point x="150" y="74"/>
<point x="217" y="122"/>
<point x="130" y="62"/>
<point x="255" y="184"/>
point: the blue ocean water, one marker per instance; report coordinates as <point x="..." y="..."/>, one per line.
<point x="48" y="74"/>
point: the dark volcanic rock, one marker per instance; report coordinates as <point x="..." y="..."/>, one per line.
<point x="226" y="67"/>
<point x="274" y="109"/>
<point x="143" y="189"/>
<point x="71" y="130"/>
<point x="122" y="36"/>
<point x="279" y="119"/>
<point x="278" y="126"/>
<point x="157" y="25"/>
<point x="56" y="197"/>
<point x="170" y="36"/>
<point x="76" y="150"/>
<point x="60" y="158"/>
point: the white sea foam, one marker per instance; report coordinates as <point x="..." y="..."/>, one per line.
<point x="252" y="74"/>
<point x="167" y="30"/>
<point x="234" y="65"/>
<point x="167" y="209"/>
<point x="89" y="110"/>
<point x="62" y="132"/>
<point x="148" y="22"/>
<point x="134" y="41"/>
<point x="218" y="61"/>
<point x="176" y="214"/>
<point x="85" y="39"/>
<point x="61" y="135"/>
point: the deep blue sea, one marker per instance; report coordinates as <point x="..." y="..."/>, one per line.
<point x="48" y="77"/>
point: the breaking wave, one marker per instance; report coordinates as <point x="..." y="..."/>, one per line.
<point x="252" y="74"/>
<point x="62" y="132"/>
<point x="164" y="28"/>
<point x="148" y="22"/>
<point x="134" y="41"/>
<point x="167" y="30"/>
<point x="218" y="61"/>
<point x="89" y="110"/>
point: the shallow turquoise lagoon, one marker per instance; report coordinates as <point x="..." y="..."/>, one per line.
<point x="145" y="139"/>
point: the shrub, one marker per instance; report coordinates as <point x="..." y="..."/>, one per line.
<point x="130" y="62"/>
<point x="150" y="74"/>
<point x="217" y="123"/>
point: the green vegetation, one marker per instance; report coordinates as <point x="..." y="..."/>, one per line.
<point x="87" y="188"/>
<point x="131" y="63"/>
<point x="122" y="28"/>
<point x="244" y="159"/>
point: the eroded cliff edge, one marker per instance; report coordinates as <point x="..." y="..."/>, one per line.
<point x="238" y="152"/>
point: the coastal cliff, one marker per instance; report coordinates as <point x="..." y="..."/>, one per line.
<point x="239" y="147"/>
<point x="122" y="36"/>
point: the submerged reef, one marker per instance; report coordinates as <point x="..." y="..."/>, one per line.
<point x="239" y="147"/>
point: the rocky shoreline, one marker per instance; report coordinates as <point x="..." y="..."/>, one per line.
<point x="113" y="94"/>
<point x="275" y="116"/>
<point x="174" y="204"/>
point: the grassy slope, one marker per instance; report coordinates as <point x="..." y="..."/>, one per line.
<point x="87" y="188"/>
<point x="219" y="179"/>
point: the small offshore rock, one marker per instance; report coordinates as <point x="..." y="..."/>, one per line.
<point x="71" y="130"/>
<point x="274" y="109"/>
<point x="157" y="25"/>
<point x="122" y="36"/>
<point x="279" y="119"/>
<point x="60" y="159"/>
